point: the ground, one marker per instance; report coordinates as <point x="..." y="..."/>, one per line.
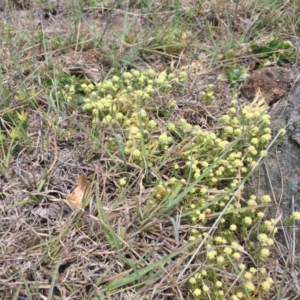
<point x="83" y="219"/>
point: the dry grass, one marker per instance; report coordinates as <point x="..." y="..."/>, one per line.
<point x="120" y="245"/>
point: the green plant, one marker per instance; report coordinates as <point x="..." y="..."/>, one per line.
<point x="208" y="95"/>
<point x="205" y="175"/>
<point x="275" y="50"/>
<point x="236" y="75"/>
<point x="168" y="215"/>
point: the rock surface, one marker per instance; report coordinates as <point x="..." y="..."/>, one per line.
<point x="279" y="177"/>
<point x="273" y="83"/>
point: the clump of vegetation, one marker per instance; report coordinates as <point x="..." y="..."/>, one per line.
<point x="236" y="75"/>
<point x="168" y="216"/>
<point x="15" y="124"/>
<point x="208" y="96"/>
<point x="205" y="175"/>
<point x="278" y="50"/>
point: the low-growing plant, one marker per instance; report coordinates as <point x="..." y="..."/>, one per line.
<point x="13" y="136"/>
<point x="205" y="175"/>
<point x="275" y="50"/>
<point x="208" y="95"/>
<point x="236" y="75"/>
<point x="168" y="216"/>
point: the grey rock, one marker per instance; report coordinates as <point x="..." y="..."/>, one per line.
<point x="279" y="176"/>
